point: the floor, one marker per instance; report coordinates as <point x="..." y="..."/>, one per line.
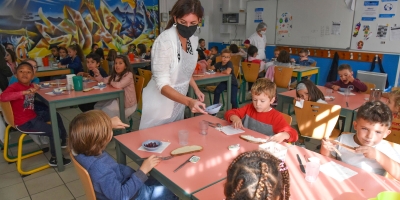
<point x="51" y="184"/>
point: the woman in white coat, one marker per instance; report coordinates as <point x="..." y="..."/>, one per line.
<point x="259" y="40"/>
<point x="173" y="61"/>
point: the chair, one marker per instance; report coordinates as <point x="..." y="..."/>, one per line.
<point x="218" y="59"/>
<point x="85" y="179"/>
<point x="314" y="64"/>
<point x="105" y="66"/>
<point x="282" y="76"/>
<point x="369" y="87"/>
<point x="287" y="118"/>
<point x="139" y="83"/>
<point x="9" y="119"/>
<point x="394" y="136"/>
<point x="250" y="74"/>
<point x="146" y="74"/>
<point x="317" y="120"/>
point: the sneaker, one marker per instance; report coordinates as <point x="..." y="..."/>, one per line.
<point x="53" y="161"/>
<point x="63" y="144"/>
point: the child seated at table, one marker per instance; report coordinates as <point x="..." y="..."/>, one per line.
<point x="260" y="116"/>
<point x="89" y="134"/>
<point x="303" y="59"/>
<point x="213" y="56"/>
<point x="277" y="50"/>
<point x="74" y="61"/>
<point x="93" y="60"/>
<point x="35" y="79"/>
<point x="21" y="96"/>
<point x="236" y="51"/>
<point x="371" y="153"/>
<point x="252" y="53"/>
<point x="346" y="78"/>
<point x="308" y="91"/>
<point x="201" y="48"/>
<point x="257" y="175"/>
<point x="121" y="77"/>
<point x="226" y="67"/>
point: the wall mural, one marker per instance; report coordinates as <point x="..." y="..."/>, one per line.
<point x="33" y="26"/>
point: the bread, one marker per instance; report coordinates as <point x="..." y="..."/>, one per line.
<point x="186" y="150"/>
<point x="252" y="139"/>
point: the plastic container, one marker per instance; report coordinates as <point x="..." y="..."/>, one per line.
<point x="45" y="61"/>
<point x="78" y="83"/>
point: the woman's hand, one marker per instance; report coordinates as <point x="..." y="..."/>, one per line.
<point x="197" y="107"/>
<point x="200" y="95"/>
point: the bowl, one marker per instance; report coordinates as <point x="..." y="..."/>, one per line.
<point x="45" y="85"/>
<point x="213" y="109"/>
<point x="151" y="145"/>
<point x="85" y="79"/>
<point x="101" y="85"/>
<point x="57" y="91"/>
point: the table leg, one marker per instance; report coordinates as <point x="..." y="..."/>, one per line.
<point x="121" y="98"/>
<point x="299" y="75"/>
<point x="349" y="119"/>
<point x="56" y="137"/>
<point x="317" y="78"/>
<point x="191" y="94"/>
<point x="279" y="107"/>
<point x="228" y="94"/>
<point x="121" y="157"/>
<point x="243" y="90"/>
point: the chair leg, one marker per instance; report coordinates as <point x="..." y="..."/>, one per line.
<point x="209" y="97"/>
<point x="20" y="157"/>
<point x="223" y="102"/>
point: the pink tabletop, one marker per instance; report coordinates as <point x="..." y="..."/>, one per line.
<point x="355" y="101"/>
<point x="207" y="76"/>
<point x="214" y="158"/>
<point x="42" y="92"/>
<point x="364" y="185"/>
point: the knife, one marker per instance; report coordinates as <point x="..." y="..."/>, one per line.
<point x="301" y="164"/>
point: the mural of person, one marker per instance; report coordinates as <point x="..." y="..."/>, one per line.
<point x="173" y="63"/>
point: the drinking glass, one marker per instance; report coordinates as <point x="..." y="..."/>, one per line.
<point x="58" y="83"/>
<point x="312" y="171"/>
<point x="203" y="126"/>
<point x="69" y="88"/>
<point x="350" y="87"/>
<point x="183" y="136"/>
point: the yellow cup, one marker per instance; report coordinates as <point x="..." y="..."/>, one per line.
<point x="387" y="195"/>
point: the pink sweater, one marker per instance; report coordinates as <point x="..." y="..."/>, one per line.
<point x="125" y="83"/>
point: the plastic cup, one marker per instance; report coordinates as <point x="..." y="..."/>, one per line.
<point x="329" y="92"/>
<point x="203" y="127"/>
<point x="312" y="171"/>
<point x="78" y="83"/>
<point x="45" y="61"/>
<point x="183" y="136"/>
<point x="69" y="88"/>
<point x="131" y="57"/>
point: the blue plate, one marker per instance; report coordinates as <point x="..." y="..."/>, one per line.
<point x="102" y="86"/>
<point x="158" y="142"/>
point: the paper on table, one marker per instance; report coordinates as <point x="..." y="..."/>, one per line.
<point x="342" y="93"/>
<point x="337" y="171"/>
<point x="229" y="130"/>
<point x="300" y="103"/>
<point x="164" y="145"/>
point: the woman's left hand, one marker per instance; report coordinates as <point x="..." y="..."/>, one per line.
<point x="199" y="95"/>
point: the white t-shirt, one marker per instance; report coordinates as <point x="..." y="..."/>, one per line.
<point x="359" y="160"/>
<point x="260" y="43"/>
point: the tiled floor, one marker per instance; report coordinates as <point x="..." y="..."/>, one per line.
<point x="51" y="184"/>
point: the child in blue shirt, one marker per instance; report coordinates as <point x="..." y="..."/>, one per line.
<point x="74" y="61"/>
<point x="303" y="59"/>
<point x="89" y="134"/>
<point x="35" y="80"/>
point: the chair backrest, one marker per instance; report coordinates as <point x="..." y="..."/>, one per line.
<point x="314" y="64"/>
<point x="105" y="66"/>
<point x="218" y="59"/>
<point x="317" y="120"/>
<point x="369" y="87"/>
<point x="236" y="59"/>
<point x="146" y="74"/>
<point x="85" y="178"/>
<point x="250" y="71"/>
<point x="282" y="76"/>
<point x="287" y="118"/>
<point x="394" y="136"/>
<point x="8" y="113"/>
<point x="84" y="65"/>
<point x="139" y="83"/>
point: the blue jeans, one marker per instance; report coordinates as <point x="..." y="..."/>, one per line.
<point x="154" y="190"/>
<point x="221" y="87"/>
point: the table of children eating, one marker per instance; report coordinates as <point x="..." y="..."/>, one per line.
<point x="56" y="94"/>
<point x="205" y="178"/>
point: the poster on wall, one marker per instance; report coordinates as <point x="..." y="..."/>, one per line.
<point x="284" y="25"/>
<point x="258" y="15"/>
<point x="382" y="31"/>
<point x="35" y="26"/>
<point x="370" y="10"/>
<point x="388" y="8"/>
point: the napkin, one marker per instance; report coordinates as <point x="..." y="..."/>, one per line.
<point x="342" y="93"/>
<point x="52" y="93"/>
<point x="337" y="171"/>
<point x="300" y="103"/>
<point x="229" y="130"/>
<point x="163" y="146"/>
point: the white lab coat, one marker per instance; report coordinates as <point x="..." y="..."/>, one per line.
<point x="260" y="43"/>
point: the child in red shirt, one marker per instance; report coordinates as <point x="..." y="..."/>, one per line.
<point x="260" y="116"/>
<point x="21" y="96"/>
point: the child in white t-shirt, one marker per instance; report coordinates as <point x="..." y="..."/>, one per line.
<point x="371" y="153"/>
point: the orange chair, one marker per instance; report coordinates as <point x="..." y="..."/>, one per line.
<point x="85" y="179"/>
<point x="146" y="74"/>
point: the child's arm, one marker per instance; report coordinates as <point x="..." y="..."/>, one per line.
<point x="391" y="166"/>
<point x="210" y="67"/>
<point x="283" y="131"/>
<point x="333" y="85"/>
<point x="231" y="115"/>
<point x="326" y="148"/>
<point x="358" y="84"/>
<point x="126" y="80"/>
<point x="10" y="94"/>
<point x="76" y="65"/>
<point x="229" y="68"/>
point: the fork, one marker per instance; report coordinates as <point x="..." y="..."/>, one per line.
<point x="161" y="158"/>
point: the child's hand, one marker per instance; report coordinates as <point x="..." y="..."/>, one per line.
<point x="303" y="58"/>
<point x="149" y="164"/>
<point x="336" y="87"/>
<point x="95" y="70"/>
<point x="369" y="152"/>
<point x="279" y="137"/>
<point x="36" y="86"/>
<point x="350" y="78"/>
<point x="236" y="122"/>
<point x="292" y="60"/>
<point x="328" y="144"/>
<point x="117" y="123"/>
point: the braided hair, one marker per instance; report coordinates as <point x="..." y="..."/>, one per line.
<point x="257" y="175"/>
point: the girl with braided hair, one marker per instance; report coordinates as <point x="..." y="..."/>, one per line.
<point x="257" y="175"/>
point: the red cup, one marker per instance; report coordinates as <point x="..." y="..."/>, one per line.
<point x="45" y="61"/>
<point x="131" y="57"/>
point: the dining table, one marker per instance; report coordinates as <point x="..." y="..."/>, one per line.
<point x="139" y="62"/>
<point x="52" y="71"/>
<point x="302" y="71"/>
<point x="74" y="98"/>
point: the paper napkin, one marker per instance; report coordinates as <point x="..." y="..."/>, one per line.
<point x="229" y="130"/>
<point x="342" y="93"/>
<point x="337" y="171"/>
<point x="163" y="146"/>
<point x="300" y="103"/>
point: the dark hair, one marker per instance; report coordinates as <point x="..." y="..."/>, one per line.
<point x="283" y="57"/>
<point x="93" y="45"/>
<point x="185" y="7"/>
<point x="201" y="40"/>
<point x="113" y="75"/>
<point x="314" y="94"/>
<point x="344" y="66"/>
<point x="142" y="48"/>
<point x="234" y="48"/>
<point x="303" y="51"/>
<point x="251" y="51"/>
<point x="94" y="56"/>
<point x="375" y="112"/>
<point x="257" y="175"/>
<point x="12" y="54"/>
<point x="52" y="47"/>
<point x="112" y="54"/>
<point x="62" y="48"/>
<point x="100" y="52"/>
<point x="214" y="47"/>
<point x="132" y="45"/>
<point x="78" y="50"/>
<point x="23" y="64"/>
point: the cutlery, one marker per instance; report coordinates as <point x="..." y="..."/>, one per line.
<point x="301" y="164"/>
<point x="192" y="159"/>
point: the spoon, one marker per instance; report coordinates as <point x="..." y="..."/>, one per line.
<point x="192" y="159"/>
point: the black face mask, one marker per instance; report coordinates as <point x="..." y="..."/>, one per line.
<point x="185" y="31"/>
